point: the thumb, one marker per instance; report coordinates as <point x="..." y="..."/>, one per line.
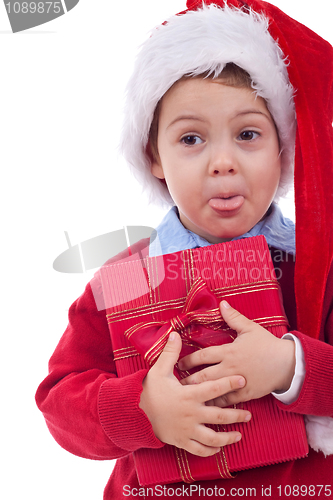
<point x="241" y="324"/>
<point x="170" y="354"/>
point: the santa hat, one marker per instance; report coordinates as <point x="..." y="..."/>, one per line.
<point x="284" y="59"/>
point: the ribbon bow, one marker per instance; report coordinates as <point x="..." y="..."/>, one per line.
<point x="201" y="308"/>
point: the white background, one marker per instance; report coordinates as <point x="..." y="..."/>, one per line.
<point x="61" y="95"/>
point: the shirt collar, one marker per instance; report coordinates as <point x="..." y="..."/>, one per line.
<point x="171" y="236"/>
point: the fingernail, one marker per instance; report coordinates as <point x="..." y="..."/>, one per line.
<point x="241" y="382"/>
<point x="225" y="304"/>
<point x="238" y="438"/>
<point x="248" y="417"/>
<point x="172" y="337"/>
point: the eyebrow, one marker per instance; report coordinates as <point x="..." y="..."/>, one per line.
<point x="252" y="111"/>
<point x="186" y="117"/>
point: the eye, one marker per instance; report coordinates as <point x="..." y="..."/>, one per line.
<point x="248" y="135"/>
<point x="191" y="140"/>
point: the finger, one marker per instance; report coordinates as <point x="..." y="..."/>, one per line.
<point x="218" y="416"/>
<point x="200" y="449"/>
<point x="211" y="373"/>
<point x="169" y="356"/>
<point x="216" y="440"/>
<point x="233" y="398"/>
<point x="207" y="356"/>
<point x="215" y="388"/>
<point x="221" y="401"/>
<point x="235" y="319"/>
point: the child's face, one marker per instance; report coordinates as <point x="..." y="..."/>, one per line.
<point x="219" y="154"/>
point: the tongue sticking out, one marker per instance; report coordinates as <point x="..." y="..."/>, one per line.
<point x="226" y="204"/>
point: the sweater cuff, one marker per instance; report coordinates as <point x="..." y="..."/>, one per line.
<point x="123" y="421"/>
<point x="315" y="397"/>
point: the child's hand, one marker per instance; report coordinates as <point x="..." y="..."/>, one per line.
<point x="178" y="413"/>
<point x="266" y="362"/>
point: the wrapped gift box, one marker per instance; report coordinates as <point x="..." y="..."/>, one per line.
<point x="147" y="298"/>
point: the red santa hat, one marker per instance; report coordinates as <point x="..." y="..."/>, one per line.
<point x="292" y="69"/>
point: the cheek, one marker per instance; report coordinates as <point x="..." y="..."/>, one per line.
<point x="276" y="171"/>
<point x="269" y="172"/>
<point x="265" y="181"/>
<point x="271" y="180"/>
<point x="183" y="189"/>
<point x="181" y="175"/>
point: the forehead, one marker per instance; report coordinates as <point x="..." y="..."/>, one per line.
<point x="209" y="95"/>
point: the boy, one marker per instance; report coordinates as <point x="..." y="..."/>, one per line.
<point x="221" y="153"/>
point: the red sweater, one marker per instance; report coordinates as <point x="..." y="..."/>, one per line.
<point x="94" y="414"/>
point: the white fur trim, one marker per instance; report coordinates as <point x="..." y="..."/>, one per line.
<point x="197" y="42"/>
<point x="320" y="433"/>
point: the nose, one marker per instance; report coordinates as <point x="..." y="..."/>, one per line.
<point x="223" y="161"/>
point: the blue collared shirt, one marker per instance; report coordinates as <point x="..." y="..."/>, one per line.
<point x="174" y="237"/>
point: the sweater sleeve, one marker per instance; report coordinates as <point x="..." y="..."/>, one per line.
<point x="89" y="410"/>
<point x="316" y="396"/>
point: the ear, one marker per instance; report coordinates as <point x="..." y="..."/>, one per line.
<point x="157" y="169"/>
<point x="156" y="166"/>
